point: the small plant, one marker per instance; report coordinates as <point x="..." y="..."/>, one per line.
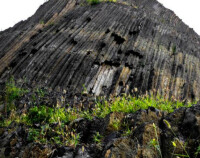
<point x="72" y="114"/>
<point x="114" y="1"/>
<point x="41" y="93"/>
<point x="93" y="2"/>
<point x="57" y="140"/>
<point x="178" y="141"/>
<point x="44" y="114"/>
<point x="42" y="22"/>
<point x="116" y="124"/>
<point x="59" y="114"/>
<point x="39" y="114"/>
<point x="74" y="139"/>
<point x="86" y="114"/>
<point x="155" y="142"/>
<point x="33" y="134"/>
<point x="97" y="138"/>
<point x="84" y="90"/>
<point x="174" y="50"/>
<point x="5" y="123"/>
<point x="197" y="151"/>
<point x="12" y="92"/>
<point x="127" y="132"/>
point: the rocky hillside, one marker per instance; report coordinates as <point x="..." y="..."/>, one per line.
<point x="90" y="79"/>
<point x="42" y="125"/>
<point x="109" y="48"/>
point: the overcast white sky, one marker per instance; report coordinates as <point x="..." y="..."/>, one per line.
<point x="13" y="11"/>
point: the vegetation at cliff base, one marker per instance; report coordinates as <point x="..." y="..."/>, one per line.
<point x="48" y="124"/>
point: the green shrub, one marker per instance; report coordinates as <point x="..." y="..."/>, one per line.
<point x="93" y="2"/>
<point x="42" y="22"/>
<point x="127" y="132"/>
<point x="59" y="114"/>
<point x="130" y="104"/>
<point x="73" y="140"/>
<point x="33" y="134"/>
<point x="41" y="93"/>
<point x="116" y="124"/>
<point x="44" y="114"/>
<point x="197" y="151"/>
<point x="112" y="1"/>
<point x="174" y="49"/>
<point x="12" y="92"/>
<point x="39" y="114"/>
<point x="97" y="138"/>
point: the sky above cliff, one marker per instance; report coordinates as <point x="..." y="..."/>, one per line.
<point x="13" y="11"/>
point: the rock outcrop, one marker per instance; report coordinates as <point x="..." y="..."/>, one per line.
<point x="108" y="48"/>
<point x="76" y="52"/>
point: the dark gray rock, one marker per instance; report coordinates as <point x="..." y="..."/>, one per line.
<point x="77" y="52"/>
<point x="191" y="122"/>
<point x="2" y="108"/>
<point x="110" y="48"/>
<point x="80" y="153"/>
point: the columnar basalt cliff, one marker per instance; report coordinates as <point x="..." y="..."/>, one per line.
<point x="109" y="48"/>
<point x="64" y="72"/>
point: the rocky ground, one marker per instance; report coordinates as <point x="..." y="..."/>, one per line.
<point x="147" y="133"/>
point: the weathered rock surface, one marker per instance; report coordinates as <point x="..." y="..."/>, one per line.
<point x="109" y="48"/>
<point x="71" y="47"/>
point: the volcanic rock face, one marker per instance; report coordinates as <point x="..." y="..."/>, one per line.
<point x="109" y="48"/>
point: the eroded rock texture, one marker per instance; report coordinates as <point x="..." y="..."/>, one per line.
<point x="109" y="48"/>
